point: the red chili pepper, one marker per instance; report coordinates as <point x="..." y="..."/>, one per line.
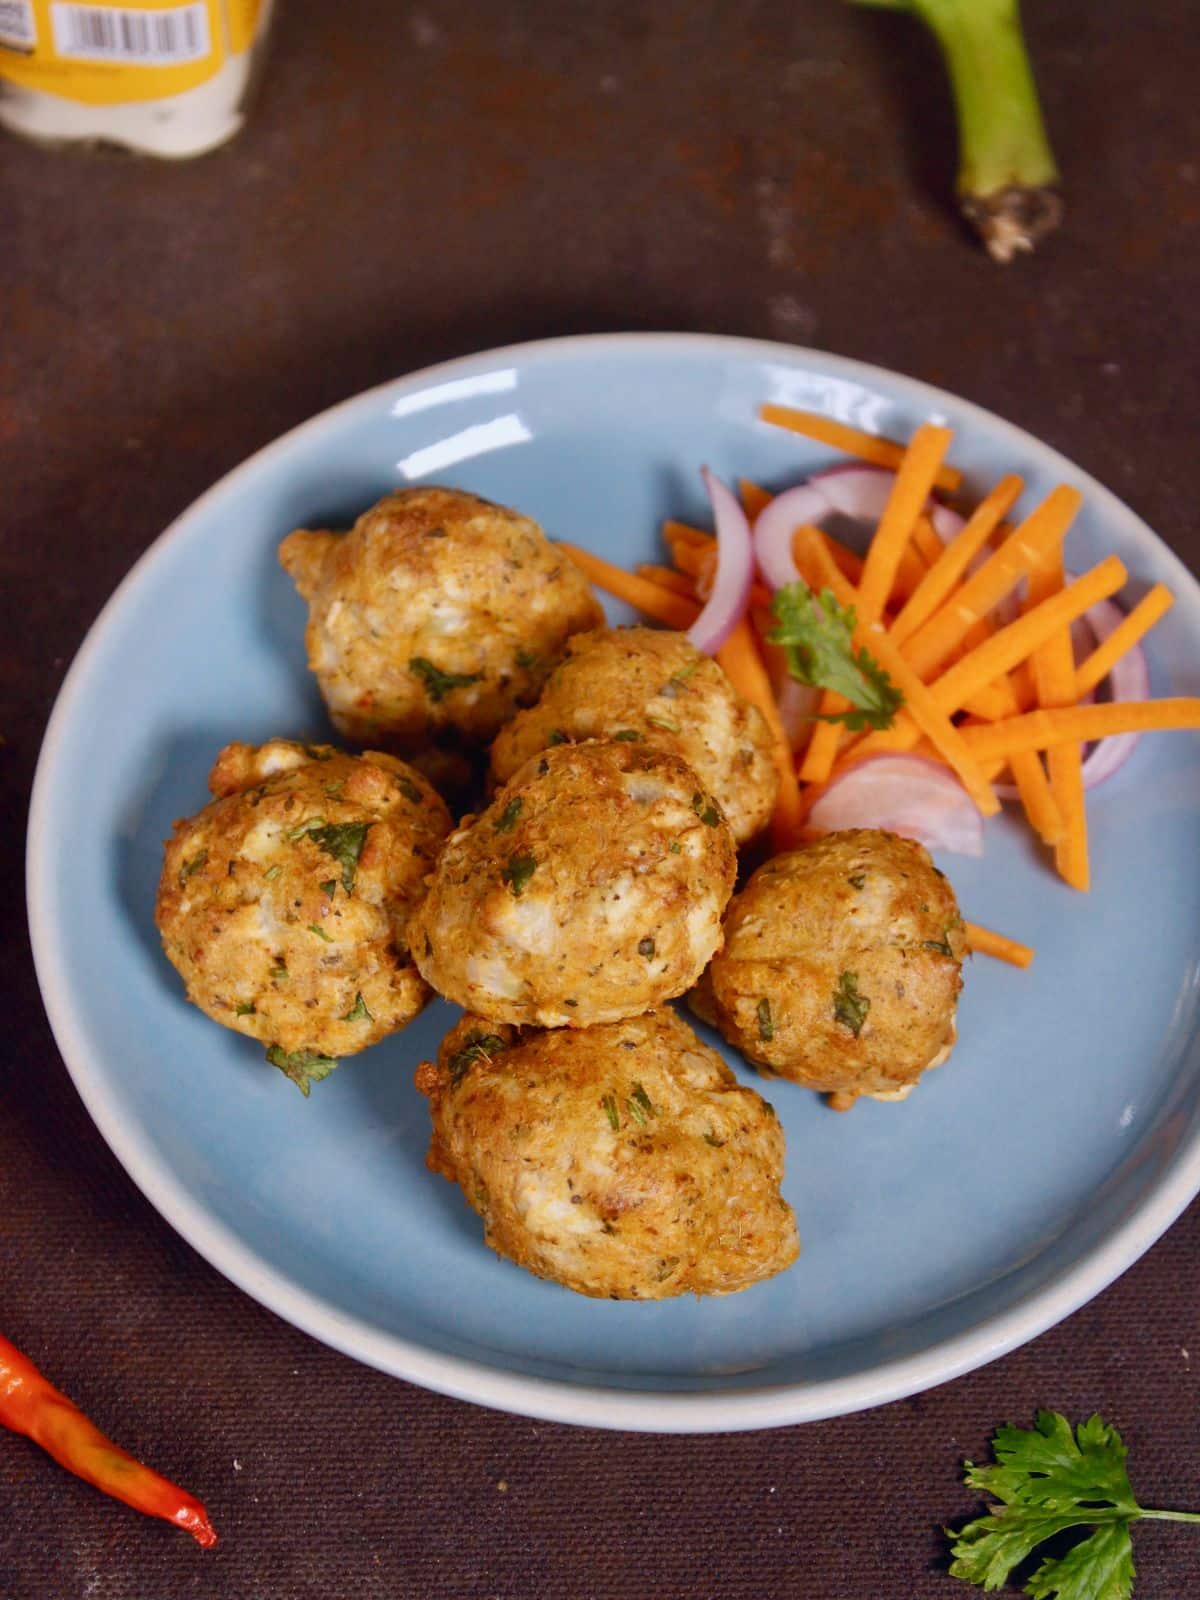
<point x="29" y="1404"/>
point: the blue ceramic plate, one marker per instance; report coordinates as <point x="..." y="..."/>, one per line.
<point x="1016" y="1182"/>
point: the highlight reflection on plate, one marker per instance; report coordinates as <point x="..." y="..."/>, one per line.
<point x="1059" y="1141"/>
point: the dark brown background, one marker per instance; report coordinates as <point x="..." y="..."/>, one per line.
<point x="418" y="183"/>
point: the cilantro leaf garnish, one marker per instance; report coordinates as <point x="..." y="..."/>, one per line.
<point x="518" y="872"/>
<point x="1047" y="1480"/>
<point x="438" y="684"/>
<point x="818" y="636"/>
<point x="849" y="1006"/>
<point x="479" y="1047"/>
<point x="303" y="1067"/>
<point x="344" y="842"/>
<point x="705" y="810"/>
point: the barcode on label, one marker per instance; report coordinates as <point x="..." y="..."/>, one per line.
<point x="144" y="38"/>
<point x="17" y="27"/>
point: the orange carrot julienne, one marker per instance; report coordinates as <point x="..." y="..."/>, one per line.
<point x="693" y="558"/>
<point x="754" y="499"/>
<point x="684" y="530"/>
<point x="987" y="943"/>
<point x="1047" y="730"/>
<point x="1149" y="610"/>
<point x="1054" y="675"/>
<point x="853" y="441"/>
<point x="661" y="604"/>
<point x="667" y="578"/>
<point x="1042" y="531"/>
<point x="926" y="540"/>
<point x="956" y="557"/>
<point x="914" y="480"/>
<point x="745" y="670"/>
<point x="921" y="705"/>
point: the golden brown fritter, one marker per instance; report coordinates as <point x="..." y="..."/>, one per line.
<point x="624" y="1161"/>
<point x="657" y="683"/>
<point x="590" y="889"/>
<point x="841" y="966"/>
<point x="284" y="904"/>
<point x="435" y="617"/>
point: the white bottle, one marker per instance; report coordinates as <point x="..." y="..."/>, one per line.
<point x="167" y="77"/>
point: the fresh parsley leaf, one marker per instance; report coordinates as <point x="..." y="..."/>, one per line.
<point x="358" y="1011"/>
<point x="438" y="684"/>
<point x="303" y="1067"/>
<point x="1047" y="1480"/>
<point x="479" y="1047"/>
<point x="817" y="635"/>
<point x="344" y="842"/>
<point x="849" y="1006"/>
<point x="766" y="1023"/>
<point x="507" y="820"/>
<point x="518" y="872"/>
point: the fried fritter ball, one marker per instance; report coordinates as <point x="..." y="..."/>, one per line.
<point x="285" y="903"/>
<point x="841" y="967"/>
<point x="435" y="617"/>
<point x="624" y="1161"/>
<point x="655" y="682"/>
<point x="590" y="889"/>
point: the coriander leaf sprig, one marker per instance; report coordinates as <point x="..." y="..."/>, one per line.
<point x="1048" y="1480"/>
<point x="817" y="634"/>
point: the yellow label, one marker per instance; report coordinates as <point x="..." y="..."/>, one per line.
<point x="113" y="54"/>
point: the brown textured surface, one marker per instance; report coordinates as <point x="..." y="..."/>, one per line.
<point x="419" y="182"/>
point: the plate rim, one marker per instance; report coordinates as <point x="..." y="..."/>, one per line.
<point x="551" y="1399"/>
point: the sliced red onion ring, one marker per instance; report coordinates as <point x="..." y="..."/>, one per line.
<point x="904" y="794"/>
<point x="777" y="523"/>
<point x="726" y="605"/>
<point x="862" y="492"/>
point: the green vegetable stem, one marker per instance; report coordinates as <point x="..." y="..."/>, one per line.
<point x="1006" y="171"/>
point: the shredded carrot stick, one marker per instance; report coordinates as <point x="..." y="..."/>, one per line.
<point x="914" y="480"/>
<point x="1008" y="646"/>
<point x="754" y="499"/>
<point x="986" y="943"/>
<point x="1042" y="531"/>
<point x="684" y="530"/>
<point x="646" y="597"/>
<point x="926" y="540"/>
<point x="955" y="558"/>
<point x="1046" y="730"/>
<point x="920" y="702"/>
<point x="745" y="670"/>
<point x="1122" y="639"/>
<point x="693" y="559"/>
<point x="853" y="441"/>
<point x="1054" y="675"/>
<point x="667" y="578"/>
